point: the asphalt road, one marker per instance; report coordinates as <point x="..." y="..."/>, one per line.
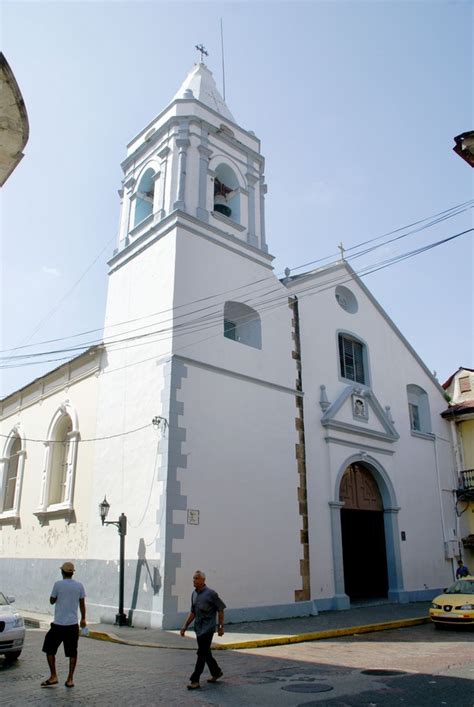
<point x="432" y="668"/>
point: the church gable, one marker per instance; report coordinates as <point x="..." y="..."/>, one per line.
<point x="357" y="411"/>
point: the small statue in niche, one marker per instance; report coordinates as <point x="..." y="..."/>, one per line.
<point x="359" y="407"/>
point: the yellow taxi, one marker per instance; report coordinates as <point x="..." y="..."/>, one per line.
<point x="455" y="607"/>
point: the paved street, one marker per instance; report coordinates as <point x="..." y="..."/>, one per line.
<point x="437" y="668"/>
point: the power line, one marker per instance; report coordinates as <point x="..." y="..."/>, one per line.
<point x="94" y="439"/>
<point x="436" y="219"/>
<point x="268" y="305"/>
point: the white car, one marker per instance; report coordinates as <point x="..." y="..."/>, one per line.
<point x="12" y="629"/>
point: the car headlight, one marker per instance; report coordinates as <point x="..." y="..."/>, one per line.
<point x="465" y="607"/>
<point x="435" y="606"/>
<point x="18" y="621"/>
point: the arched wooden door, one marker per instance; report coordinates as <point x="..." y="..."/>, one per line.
<point x="363" y="535"/>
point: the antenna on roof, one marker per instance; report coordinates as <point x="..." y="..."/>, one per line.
<point x="202" y="49"/>
<point x="223" y="68"/>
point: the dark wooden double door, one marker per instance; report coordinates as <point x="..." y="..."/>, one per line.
<point x="363" y="535"/>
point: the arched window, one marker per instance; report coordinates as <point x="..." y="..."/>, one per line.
<point x="59" y="461"/>
<point x="144" y="196"/>
<point x="242" y="324"/>
<point x="352" y="359"/>
<point x="418" y="409"/>
<point x="11" y="476"/>
<point x="227" y="193"/>
<point x="57" y="484"/>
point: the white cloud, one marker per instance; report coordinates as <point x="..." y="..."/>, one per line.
<point x="51" y="271"/>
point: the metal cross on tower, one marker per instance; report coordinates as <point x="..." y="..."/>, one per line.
<point x="201" y="48"/>
<point x="342" y="249"/>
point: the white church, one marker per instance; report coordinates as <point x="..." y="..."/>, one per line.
<point x="281" y="435"/>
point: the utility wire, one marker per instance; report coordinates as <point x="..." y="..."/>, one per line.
<point x="268" y="305"/>
<point x="189" y="323"/>
<point x="94" y="439"/>
<point x="433" y="220"/>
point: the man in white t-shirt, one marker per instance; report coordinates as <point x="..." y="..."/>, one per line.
<point x="67" y="596"/>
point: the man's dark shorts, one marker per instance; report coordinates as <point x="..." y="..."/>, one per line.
<point x="57" y="634"/>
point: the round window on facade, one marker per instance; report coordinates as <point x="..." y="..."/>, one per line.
<point x="346" y="299"/>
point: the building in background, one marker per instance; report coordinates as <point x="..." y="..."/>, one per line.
<point x="464" y="146"/>
<point x="280" y="434"/>
<point x="14" y="128"/>
<point x="460" y="414"/>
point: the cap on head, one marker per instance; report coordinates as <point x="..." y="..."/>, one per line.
<point x="67" y="567"/>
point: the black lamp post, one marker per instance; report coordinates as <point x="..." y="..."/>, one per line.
<point x="121" y="523"/>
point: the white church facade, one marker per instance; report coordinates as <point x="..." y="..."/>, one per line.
<point x="281" y="435"/>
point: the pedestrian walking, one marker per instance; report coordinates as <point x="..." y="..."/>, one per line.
<point x="462" y="570"/>
<point x="67" y="596"/>
<point x="205" y="604"/>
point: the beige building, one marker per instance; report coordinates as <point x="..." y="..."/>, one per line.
<point x="460" y="390"/>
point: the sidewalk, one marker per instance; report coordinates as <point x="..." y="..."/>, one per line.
<point x="328" y="624"/>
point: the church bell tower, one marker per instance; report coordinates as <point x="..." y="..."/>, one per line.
<point x="195" y="159"/>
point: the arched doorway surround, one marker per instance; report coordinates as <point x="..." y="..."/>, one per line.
<point x="386" y="494"/>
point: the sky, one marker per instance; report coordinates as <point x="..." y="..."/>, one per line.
<point x="356" y="105"/>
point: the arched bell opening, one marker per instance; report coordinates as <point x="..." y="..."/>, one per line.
<point x="227" y="193"/>
<point x="363" y="535"/>
<point x="144" y="196"/>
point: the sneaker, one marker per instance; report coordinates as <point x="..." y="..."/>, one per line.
<point x="215" y="678"/>
<point x="194" y="686"/>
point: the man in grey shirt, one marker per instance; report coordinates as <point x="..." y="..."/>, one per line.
<point x="205" y="603"/>
<point x="67" y="596"/>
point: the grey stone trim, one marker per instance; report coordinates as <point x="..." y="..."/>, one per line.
<point x="228" y="221"/>
<point x="100" y="579"/>
<point x="358" y="445"/>
<point x="176" y="460"/>
<point x="355" y="429"/>
<point x="204" y="154"/>
<point x="93" y="354"/>
<point x="263" y="191"/>
<point x="423" y="435"/>
<point x="193" y="119"/>
<point x="253" y="613"/>
<point x="182" y="142"/>
<point x="177" y="218"/>
<point x="235" y="374"/>
<point x="338" y="602"/>
<point x="327" y="420"/>
<point x="353" y="277"/>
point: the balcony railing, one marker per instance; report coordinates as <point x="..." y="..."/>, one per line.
<point x="466" y="480"/>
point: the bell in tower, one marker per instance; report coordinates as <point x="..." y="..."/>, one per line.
<point x="221" y="192"/>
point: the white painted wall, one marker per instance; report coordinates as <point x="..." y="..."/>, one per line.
<point x="33" y="409"/>
<point x="421" y="470"/>
<point x="242" y="477"/>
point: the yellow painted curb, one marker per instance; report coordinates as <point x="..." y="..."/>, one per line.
<point x="319" y="635"/>
<point x="112" y="638"/>
<point x="275" y="641"/>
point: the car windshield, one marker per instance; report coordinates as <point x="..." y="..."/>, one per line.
<point x="464" y="586"/>
<point x="3" y="601"/>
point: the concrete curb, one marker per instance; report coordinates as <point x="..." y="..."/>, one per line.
<point x="274" y="641"/>
<point x="112" y="638"/>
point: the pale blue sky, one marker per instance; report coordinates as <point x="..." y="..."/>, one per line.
<point x="356" y="105"/>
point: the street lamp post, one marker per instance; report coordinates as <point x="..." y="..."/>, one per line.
<point x="121" y="524"/>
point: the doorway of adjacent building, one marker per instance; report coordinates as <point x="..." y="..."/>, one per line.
<point x="363" y="535"/>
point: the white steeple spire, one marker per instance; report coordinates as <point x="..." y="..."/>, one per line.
<point x="201" y="82"/>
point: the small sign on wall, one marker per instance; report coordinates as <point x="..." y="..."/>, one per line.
<point x="193" y="517"/>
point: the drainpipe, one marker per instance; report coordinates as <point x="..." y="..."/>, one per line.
<point x="443" y="527"/>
